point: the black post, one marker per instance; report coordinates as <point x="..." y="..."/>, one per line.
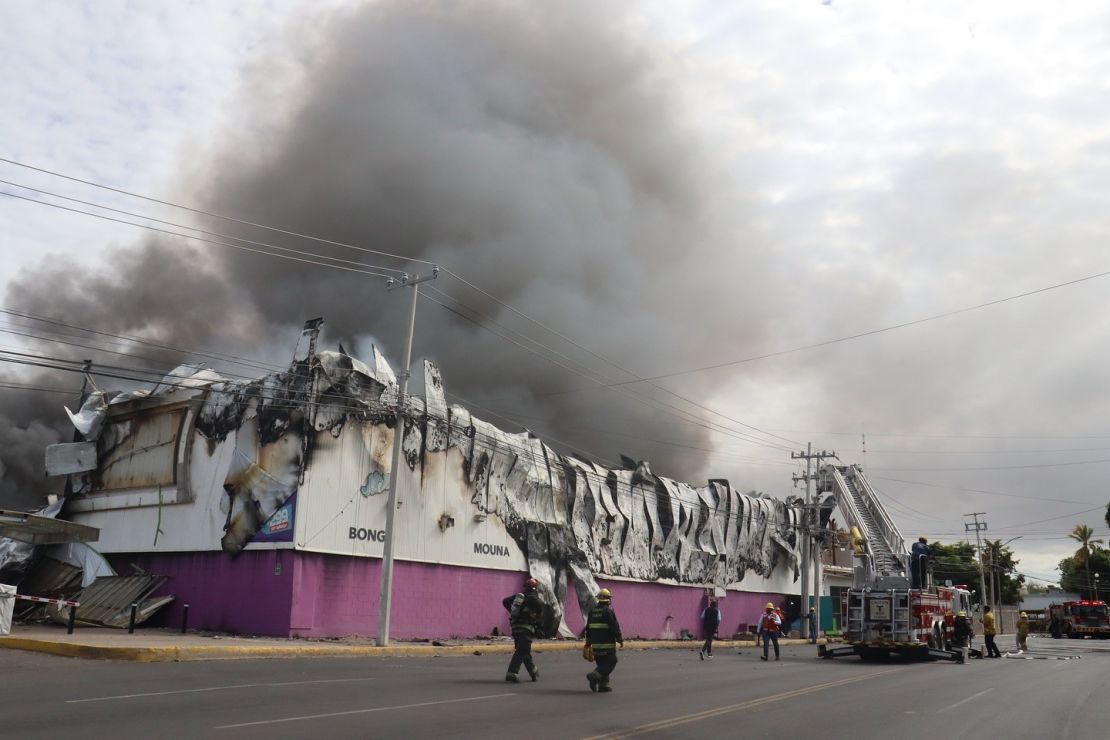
<point x="72" y="619"/>
<point x="184" y="618"/>
<point x="131" y="623"/>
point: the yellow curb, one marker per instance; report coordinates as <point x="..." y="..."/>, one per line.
<point x="150" y="654"/>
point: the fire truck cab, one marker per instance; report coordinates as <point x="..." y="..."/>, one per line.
<point x="883" y="614"/>
<point x="1077" y="619"/>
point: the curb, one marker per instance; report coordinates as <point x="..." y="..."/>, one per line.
<point x="232" y="652"/>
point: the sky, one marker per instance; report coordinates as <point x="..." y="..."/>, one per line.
<point x="695" y="185"/>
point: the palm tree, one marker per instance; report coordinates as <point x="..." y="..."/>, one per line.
<point x="1084" y="535"/>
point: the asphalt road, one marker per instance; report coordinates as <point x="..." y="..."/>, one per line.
<point x="657" y="693"/>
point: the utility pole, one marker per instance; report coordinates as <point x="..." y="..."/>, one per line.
<point x="806" y="532"/>
<point x="385" y="598"/>
<point x="979" y="526"/>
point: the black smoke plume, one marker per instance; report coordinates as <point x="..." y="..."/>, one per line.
<point x="540" y="150"/>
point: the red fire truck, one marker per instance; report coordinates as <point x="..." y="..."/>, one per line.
<point x="883" y="613"/>
<point x="1077" y="619"/>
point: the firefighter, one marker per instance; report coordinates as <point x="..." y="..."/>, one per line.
<point x="989" y="631"/>
<point x="919" y="554"/>
<point x="962" y="634"/>
<point x="603" y="633"/>
<point x="769" y="627"/>
<point x="525" y="612"/>
<point x="1023" y="632"/>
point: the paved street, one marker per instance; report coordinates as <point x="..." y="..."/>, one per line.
<point x="658" y="693"/>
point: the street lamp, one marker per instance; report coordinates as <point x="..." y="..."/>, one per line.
<point x="1096" y="585"/>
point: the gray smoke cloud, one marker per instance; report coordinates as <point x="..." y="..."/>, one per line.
<point x="538" y="150"/>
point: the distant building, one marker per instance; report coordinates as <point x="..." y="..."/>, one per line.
<point x="1039" y="602"/>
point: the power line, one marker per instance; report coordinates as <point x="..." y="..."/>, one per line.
<point x="213" y="241"/>
<point x="872" y="332"/>
<point x="458" y="277"/>
<point x="721" y="429"/>
<point x="211" y="214"/>
<point x="977" y="490"/>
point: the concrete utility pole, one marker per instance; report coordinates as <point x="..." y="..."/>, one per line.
<point x="385" y="598"/>
<point x="979" y="526"/>
<point x="807" y="531"/>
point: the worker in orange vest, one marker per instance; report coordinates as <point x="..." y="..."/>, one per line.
<point x="769" y="628"/>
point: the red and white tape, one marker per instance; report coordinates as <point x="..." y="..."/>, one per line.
<point x="40" y="599"/>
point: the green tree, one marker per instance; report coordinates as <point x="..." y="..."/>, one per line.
<point x="1085" y="536"/>
<point x="956" y="563"/>
<point x="1078" y="576"/>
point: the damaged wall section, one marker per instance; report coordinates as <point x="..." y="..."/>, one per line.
<point x="204" y="463"/>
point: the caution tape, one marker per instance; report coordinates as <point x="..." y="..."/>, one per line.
<point x="41" y="599"/>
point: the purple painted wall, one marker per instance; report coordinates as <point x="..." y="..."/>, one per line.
<point x="336" y="595"/>
<point x="643" y="609"/>
<point x="304" y="594"/>
<point x="250" y="594"/>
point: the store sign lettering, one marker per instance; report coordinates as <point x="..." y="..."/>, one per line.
<point x="484" y="548"/>
<point x="361" y="533"/>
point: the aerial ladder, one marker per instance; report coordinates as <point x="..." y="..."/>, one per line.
<point x="881" y="614"/>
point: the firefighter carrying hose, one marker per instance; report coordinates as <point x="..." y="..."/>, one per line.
<point x="603" y="633"/>
<point x="525" y="611"/>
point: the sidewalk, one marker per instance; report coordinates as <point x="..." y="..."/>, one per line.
<point x="154" y="645"/>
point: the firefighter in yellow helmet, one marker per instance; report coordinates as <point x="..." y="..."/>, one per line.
<point x="770" y="625"/>
<point x="603" y="633"/>
<point x="962" y="634"/>
<point x="1022" y="632"/>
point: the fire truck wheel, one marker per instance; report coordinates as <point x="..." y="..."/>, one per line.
<point x="936" y="640"/>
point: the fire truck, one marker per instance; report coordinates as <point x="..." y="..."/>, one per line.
<point x="1077" y="619"/>
<point x="881" y="614"/>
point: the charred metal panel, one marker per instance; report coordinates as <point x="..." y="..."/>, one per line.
<point x="71" y="457"/>
<point x="139" y="450"/>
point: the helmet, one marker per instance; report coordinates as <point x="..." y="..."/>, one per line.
<point x="531" y="583"/>
<point x="604" y="595"/>
<point x="769" y="605"/>
<point x="1024" y="614"/>
<point x="961" y="614"/>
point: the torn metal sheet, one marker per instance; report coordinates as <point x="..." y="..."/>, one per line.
<point x="43" y="530"/>
<point x="89" y="419"/>
<point x="107" y="602"/>
<point x="70" y="457"/>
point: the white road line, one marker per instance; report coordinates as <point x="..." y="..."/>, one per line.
<point x="963" y="701"/>
<point x="217" y="688"/>
<point x="362" y="711"/>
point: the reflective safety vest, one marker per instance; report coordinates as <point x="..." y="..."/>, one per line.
<point x="602" y="630"/>
<point x="768" y="624"/>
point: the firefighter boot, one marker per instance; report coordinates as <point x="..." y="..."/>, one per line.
<point x="594" y="678"/>
<point x="511" y="678"/>
<point x="604" y="687"/>
<point x="534" y="672"/>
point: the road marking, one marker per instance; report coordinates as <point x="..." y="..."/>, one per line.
<point x="217" y="688"/>
<point x="963" y="701"/>
<point x="362" y="711"/>
<point x="710" y="713"/>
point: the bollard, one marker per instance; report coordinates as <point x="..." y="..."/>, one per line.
<point x="131" y="623"/>
<point x="184" y="618"/>
<point x="72" y="619"/>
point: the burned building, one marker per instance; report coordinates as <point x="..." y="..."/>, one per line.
<point x="264" y="501"/>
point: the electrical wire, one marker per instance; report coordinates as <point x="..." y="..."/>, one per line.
<point x="210" y="213"/>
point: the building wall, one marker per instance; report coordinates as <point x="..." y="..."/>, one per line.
<point x="250" y="594"/>
<point x="335" y="595"/>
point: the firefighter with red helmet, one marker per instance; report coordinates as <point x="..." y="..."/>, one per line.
<point x="525" y="612"/>
<point x="603" y="632"/>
